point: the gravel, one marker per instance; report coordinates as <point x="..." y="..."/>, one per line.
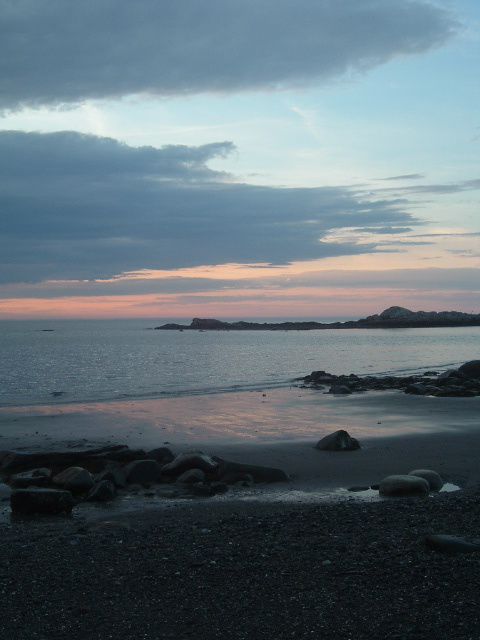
<point x="348" y="570"/>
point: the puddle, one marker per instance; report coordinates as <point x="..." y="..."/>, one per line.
<point x="132" y="503"/>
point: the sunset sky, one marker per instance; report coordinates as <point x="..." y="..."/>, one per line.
<point x="238" y="158"/>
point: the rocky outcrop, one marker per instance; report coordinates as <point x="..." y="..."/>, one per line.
<point x="463" y="382"/>
<point x="393" y="317"/>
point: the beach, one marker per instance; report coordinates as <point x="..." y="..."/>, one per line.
<point x="321" y="560"/>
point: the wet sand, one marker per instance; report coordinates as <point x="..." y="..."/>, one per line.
<point x="398" y="432"/>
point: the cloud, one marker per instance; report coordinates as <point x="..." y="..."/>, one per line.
<point x="436" y="189"/>
<point x="54" y="52"/>
<point x="82" y="207"/>
<point x="406" y="176"/>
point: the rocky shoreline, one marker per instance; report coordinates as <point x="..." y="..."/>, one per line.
<point x="463" y="382"/>
<point x="391" y="318"/>
<point x="344" y="571"/>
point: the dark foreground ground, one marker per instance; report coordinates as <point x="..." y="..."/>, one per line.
<point x="335" y="571"/>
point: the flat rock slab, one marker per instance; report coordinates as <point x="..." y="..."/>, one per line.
<point x="44" y="501"/>
<point x="231" y="472"/>
<point x="452" y="544"/>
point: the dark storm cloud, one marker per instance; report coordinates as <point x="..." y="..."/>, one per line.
<point x="55" y="51"/>
<point x="79" y="206"/>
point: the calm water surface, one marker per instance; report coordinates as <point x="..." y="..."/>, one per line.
<point x="104" y="360"/>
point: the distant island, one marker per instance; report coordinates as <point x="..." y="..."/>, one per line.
<point x="391" y="318"/>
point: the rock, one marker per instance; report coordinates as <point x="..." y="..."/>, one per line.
<point x="450" y="373"/>
<point x="16" y="461"/>
<point x="202" y="490"/>
<point x="471" y="369"/>
<point x="103" y="491"/>
<point x="404" y="485"/>
<point x="143" y="471"/>
<point x="338" y="441"/>
<point x="451" y="544"/>
<point x="191" y="476"/>
<point x="339" y="389"/>
<point x="357" y="489"/>
<point x="74" y="479"/>
<point x="45" y="501"/>
<point x="219" y="487"/>
<point x="432" y="477"/>
<point x="35" y="478"/>
<point x="193" y="460"/>
<point x="5" y="491"/>
<point x="416" y="389"/>
<point x="239" y="478"/>
<point x="227" y="470"/>
<point x="115" y="475"/>
<point x="163" y="455"/>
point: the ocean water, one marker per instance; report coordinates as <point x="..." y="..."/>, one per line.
<point x="85" y="361"/>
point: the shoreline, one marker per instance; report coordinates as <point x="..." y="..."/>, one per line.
<point x="278" y="429"/>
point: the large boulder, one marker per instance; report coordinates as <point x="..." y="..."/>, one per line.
<point x="194" y="460"/>
<point x="45" y="501"/>
<point x="34" y="478"/>
<point x="143" y="471"/>
<point x="404" y="485"/>
<point x="74" y="479"/>
<point x="471" y="369"/>
<point x="338" y="441"/>
<point x="103" y="491"/>
<point x="432" y="477"/>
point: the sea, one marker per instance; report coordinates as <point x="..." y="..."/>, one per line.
<point x="64" y="361"/>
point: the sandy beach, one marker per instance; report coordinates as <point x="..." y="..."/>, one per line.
<point x="275" y="428"/>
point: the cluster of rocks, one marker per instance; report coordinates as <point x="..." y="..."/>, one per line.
<point x="463" y="382"/>
<point x="419" y="482"/>
<point x="55" y="482"/>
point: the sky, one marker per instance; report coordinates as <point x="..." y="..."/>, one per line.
<point x="238" y="158"/>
